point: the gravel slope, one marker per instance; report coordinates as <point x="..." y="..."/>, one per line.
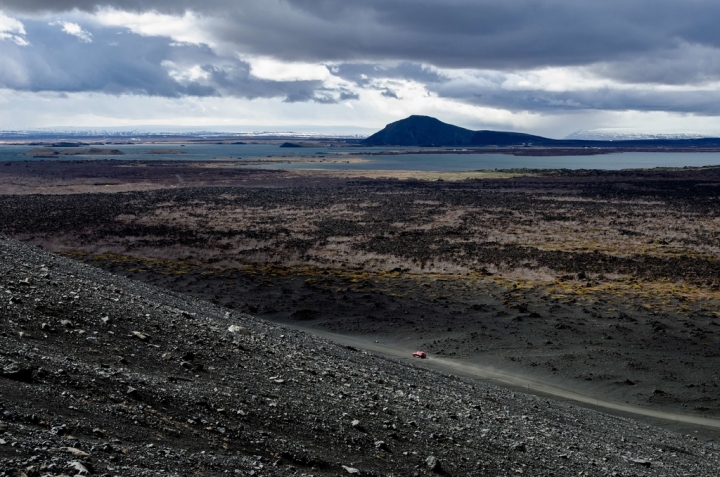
<point x="101" y="375"/>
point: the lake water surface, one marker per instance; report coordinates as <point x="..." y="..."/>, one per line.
<point x="418" y="162"/>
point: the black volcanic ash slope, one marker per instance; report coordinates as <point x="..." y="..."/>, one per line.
<point x="100" y="375"/>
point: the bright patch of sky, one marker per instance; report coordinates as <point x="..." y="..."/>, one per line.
<point x="185" y="28"/>
<point x="12" y="30"/>
<point x="272" y="69"/>
<point x="75" y="30"/>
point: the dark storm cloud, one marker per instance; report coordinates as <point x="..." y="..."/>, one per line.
<point x="348" y="96"/>
<point x="689" y="64"/>
<point x="702" y="102"/>
<point x="117" y="62"/>
<point x="454" y="33"/>
<point x="658" y="42"/>
<point x="388" y="93"/>
<point x="320" y="95"/>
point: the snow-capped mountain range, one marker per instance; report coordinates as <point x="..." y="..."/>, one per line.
<point x="628" y="135"/>
<point x="135" y="133"/>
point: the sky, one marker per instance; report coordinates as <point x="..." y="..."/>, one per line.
<point x="550" y="67"/>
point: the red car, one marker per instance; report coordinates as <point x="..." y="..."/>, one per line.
<point x="420" y="354"/>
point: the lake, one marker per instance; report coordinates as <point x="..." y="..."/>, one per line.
<point x="419" y="162"/>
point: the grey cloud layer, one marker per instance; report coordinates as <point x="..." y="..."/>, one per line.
<point x="701" y="102"/>
<point x="363" y="74"/>
<point x="117" y="62"/>
<point x="487" y="89"/>
<point x="372" y="42"/>
<point x="455" y="33"/>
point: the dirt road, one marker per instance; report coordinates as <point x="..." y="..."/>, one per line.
<point x="708" y="428"/>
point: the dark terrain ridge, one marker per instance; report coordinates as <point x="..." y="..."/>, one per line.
<point x="101" y="375"/>
<point x="427" y="131"/>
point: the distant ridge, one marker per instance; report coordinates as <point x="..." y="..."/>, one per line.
<point x="500" y="138"/>
<point x="425" y="131"/>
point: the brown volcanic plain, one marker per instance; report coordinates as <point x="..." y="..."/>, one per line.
<point x="602" y="282"/>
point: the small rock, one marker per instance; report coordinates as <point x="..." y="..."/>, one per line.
<point x="238" y="330"/>
<point x="433" y="463"/>
<point x="381" y="445"/>
<point x="59" y="430"/>
<point x="17" y="373"/>
<point x="642" y="462"/>
<point x="140" y="336"/>
<point x="519" y="447"/>
<point x="79" y="467"/>
<point x="191" y="366"/>
<point x="350" y="470"/>
<point x="77" y="452"/>
<point x="133" y="393"/>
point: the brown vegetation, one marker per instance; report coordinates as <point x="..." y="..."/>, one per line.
<point x="588" y="277"/>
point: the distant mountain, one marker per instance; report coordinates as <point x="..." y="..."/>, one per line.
<point x="420" y="131"/>
<point x="426" y="131"/>
<point x="629" y="135"/>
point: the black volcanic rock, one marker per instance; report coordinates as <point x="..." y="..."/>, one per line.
<point x="420" y="131"/>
